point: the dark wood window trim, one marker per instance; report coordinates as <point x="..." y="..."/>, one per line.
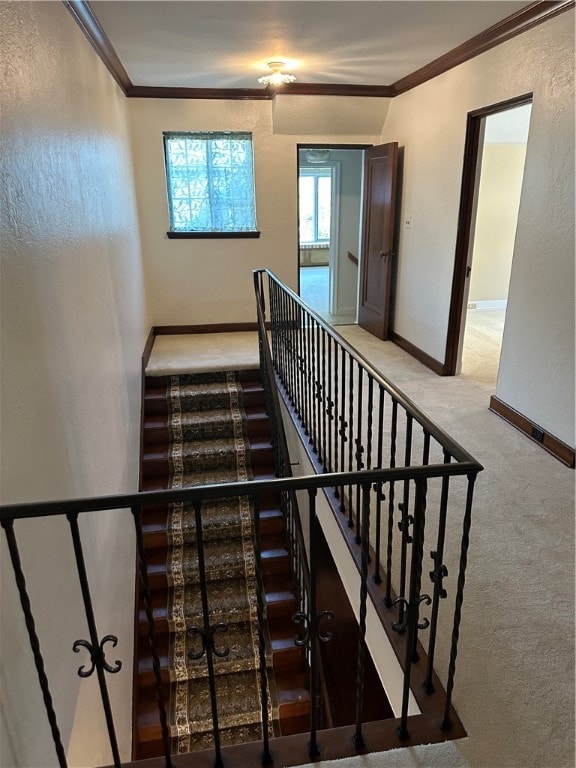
<point x="253" y="234"/>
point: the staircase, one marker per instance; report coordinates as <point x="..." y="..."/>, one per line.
<point x="287" y="661"/>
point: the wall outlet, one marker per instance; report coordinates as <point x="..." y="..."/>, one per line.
<point x="407" y="222"/>
<point x="472" y="305"/>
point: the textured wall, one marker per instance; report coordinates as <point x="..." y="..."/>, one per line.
<point x="73" y="329"/>
<point x="209" y="281"/>
<point x="537" y="369"/>
<point x="496" y="217"/>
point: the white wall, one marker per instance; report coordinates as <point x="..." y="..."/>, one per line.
<point x="350" y="211"/>
<point x="73" y="329"/>
<point x="499" y="192"/>
<point x="381" y="651"/>
<point x="209" y="281"/>
<point x="537" y="368"/>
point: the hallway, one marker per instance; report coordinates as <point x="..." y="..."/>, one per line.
<point x="510" y="612"/>
<point x="315" y="291"/>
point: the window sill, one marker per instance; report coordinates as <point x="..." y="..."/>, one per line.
<point x="211" y="235"/>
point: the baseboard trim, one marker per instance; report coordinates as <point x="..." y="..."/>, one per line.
<point x="419" y="354"/>
<point x="553" y="445"/>
<point x="169" y="330"/>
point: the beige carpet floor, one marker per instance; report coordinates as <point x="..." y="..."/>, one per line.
<point x="514" y="686"/>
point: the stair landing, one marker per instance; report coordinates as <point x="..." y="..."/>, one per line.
<point x="203" y="352"/>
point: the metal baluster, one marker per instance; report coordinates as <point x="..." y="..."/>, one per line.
<point x="294" y="358"/>
<point x="379" y="494"/>
<point x="337" y="411"/>
<point x="316" y="392"/>
<point x="8" y="526"/>
<point x="207" y="634"/>
<point x="303" y="367"/>
<point x="413" y="607"/>
<point x="308" y="369"/>
<point x="282" y="337"/>
<point x="447" y="723"/>
<point x="313" y="749"/>
<point x="286" y="324"/>
<point x="343" y="425"/>
<point x="425" y="462"/>
<point x="271" y="289"/>
<point x="323" y="411"/>
<point x="359" y="451"/>
<point x="406" y="520"/>
<point x="393" y="434"/>
<point x="96" y="646"/>
<point x="426" y="449"/>
<point x="143" y="572"/>
<point x="437" y="575"/>
<point x="260" y="608"/>
<point x="351" y="435"/>
<point x="329" y="406"/>
<point x="314" y="388"/>
<point x="364" y="527"/>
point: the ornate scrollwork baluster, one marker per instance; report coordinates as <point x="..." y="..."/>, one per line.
<point x="97" y="656"/>
<point x="95" y="646"/>
<point x="438" y="574"/>
<point x="207" y="639"/>
<point x="404" y="524"/>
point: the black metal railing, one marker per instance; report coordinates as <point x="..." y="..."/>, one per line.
<point x="307" y="618"/>
<point x="355" y="419"/>
<point x="358" y="426"/>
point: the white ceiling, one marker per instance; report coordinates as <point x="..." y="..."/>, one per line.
<point x="222" y="44"/>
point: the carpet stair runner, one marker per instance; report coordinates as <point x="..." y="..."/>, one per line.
<point x="190" y="438"/>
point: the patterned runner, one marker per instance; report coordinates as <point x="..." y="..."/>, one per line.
<point x="209" y="444"/>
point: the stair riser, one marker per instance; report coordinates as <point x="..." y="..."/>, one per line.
<point x="157" y="405"/>
<point x="257" y="430"/>
<point x="259" y="459"/>
<point x="286" y="659"/>
<point x="270" y="567"/>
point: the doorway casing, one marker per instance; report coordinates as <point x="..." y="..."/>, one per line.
<point x="465" y="224"/>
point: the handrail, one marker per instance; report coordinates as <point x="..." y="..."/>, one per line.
<point x="32" y="509"/>
<point x="453" y="447"/>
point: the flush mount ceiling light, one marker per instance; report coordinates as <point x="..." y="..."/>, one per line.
<point x="277" y="77"/>
<point x="317" y="155"/>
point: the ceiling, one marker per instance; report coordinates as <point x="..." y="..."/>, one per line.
<point x="222" y="44"/>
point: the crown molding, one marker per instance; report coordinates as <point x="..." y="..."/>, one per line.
<point x="513" y="25"/>
<point x="165" y="92"/>
<point x="318" y="89"/>
<point x="84" y="16"/>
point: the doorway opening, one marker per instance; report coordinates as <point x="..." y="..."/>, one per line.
<point x="492" y="182"/>
<point x="329" y="228"/>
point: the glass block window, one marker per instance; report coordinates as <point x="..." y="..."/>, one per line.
<point x="210" y="180"/>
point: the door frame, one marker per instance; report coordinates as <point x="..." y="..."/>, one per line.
<point x="465" y="219"/>
<point x="316" y="145"/>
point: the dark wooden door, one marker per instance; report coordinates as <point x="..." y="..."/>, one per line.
<point x="380" y="165"/>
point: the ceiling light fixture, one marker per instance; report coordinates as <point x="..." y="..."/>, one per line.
<point x="277" y="77"/>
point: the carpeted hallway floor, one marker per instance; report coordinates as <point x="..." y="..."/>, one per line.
<point x="515" y="677"/>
